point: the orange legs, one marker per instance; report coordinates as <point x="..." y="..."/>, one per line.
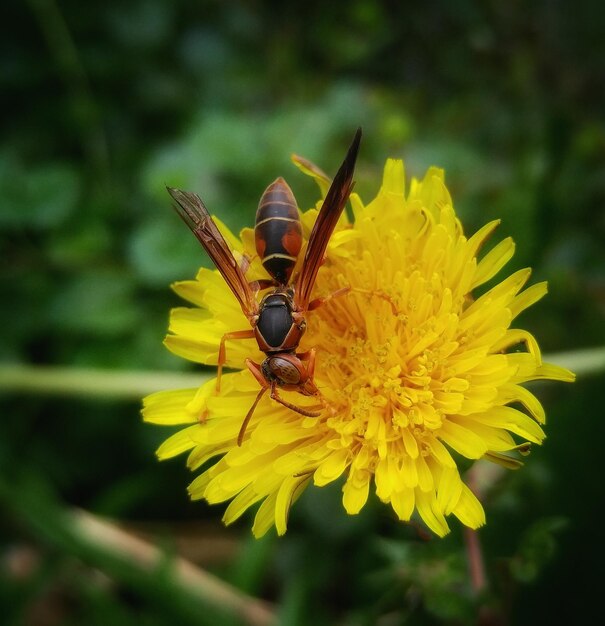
<point x="242" y="430"/>
<point x="378" y="294"/>
<point x="309" y="357"/>
<point x="314" y="304"/>
<point x="222" y="357"/>
<point x="256" y="371"/>
<point x="263" y="283"/>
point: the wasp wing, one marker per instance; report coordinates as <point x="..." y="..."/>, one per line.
<point x="193" y="212"/>
<point x="330" y="212"/>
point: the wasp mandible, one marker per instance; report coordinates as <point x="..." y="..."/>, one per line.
<point x="278" y="321"/>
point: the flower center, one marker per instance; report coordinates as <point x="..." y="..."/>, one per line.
<point x="391" y="350"/>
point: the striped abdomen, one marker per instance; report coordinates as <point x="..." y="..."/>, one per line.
<point x="278" y="232"/>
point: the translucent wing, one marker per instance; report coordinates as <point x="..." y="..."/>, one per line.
<point x="330" y="212"/>
<point x="193" y="212"/>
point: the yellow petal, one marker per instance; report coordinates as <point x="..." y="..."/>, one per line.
<point x="310" y="169"/>
<point x="528" y="297"/>
<point x="242" y="501"/>
<point x="495" y="438"/>
<point x="289" y="491"/>
<point x="512" y="420"/>
<point x="265" y="517"/>
<point x="468" y="509"/>
<point x="403" y="503"/>
<point x="200" y="454"/>
<point x="355" y="491"/>
<point x="177" y="444"/>
<point x="191" y="290"/>
<point x="494" y="261"/>
<point x="302" y="458"/>
<point x="197" y="487"/>
<point x="425" y="476"/>
<point x="409" y="472"/>
<point x="513" y="337"/>
<point x="440" y="452"/>
<point x="332" y="467"/>
<point x="393" y="179"/>
<point x="504" y="460"/>
<point x="169" y="407"/>
<point x="515" y="393"/>
<point x="383" y="479"/>
<point x="429" y="511"/>
<point x="192" y="350"/>
<point x="410" y="443"/>
<point x="548" y="371"/>
<point x="463" y="440"/>
<point x="475" y="242"/>
<point x="233" y="479"/>
<point x="448" y="490"/>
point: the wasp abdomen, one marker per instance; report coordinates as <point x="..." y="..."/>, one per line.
<point x="278" y="232"/>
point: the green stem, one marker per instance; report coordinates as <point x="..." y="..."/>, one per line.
<point x="74" y="381"/>
<point x="194" y="595"/>
<point x="582" y="362"/>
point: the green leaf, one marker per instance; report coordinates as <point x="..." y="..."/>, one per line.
<point x="536" y="549"/>
<point x="41" y="197"/>
<point x="101" y="301"/>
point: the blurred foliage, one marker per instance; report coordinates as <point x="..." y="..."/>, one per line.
<point x="105" y="103"/>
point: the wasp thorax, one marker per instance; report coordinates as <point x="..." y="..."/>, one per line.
<point x="274" y="321"/>
<point x="278" y="232"/>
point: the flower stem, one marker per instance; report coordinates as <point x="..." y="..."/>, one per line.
<point x="93" y="382"/>
<point x="471" y="539"/>
<point x="197" y="582"/>
<point x="582" y="362"/>
<point x="475" y="560"/>
<point x="194" y="595"/>
<point x="75" y="381"/>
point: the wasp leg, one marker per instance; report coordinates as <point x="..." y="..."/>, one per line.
<point x="256" y="371"/>
<point x="314" y="304"/>
<point x="255" y="285"/>
<point x="298" y="409"/>
<point x="263" y="283"/>
<point x="242" y="430"/>
<point x="309" y="358"/>
<point x="378" y="294"/>
<point x="222" y="356"/>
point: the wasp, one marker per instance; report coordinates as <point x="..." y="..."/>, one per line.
<point x="278" y="320"/>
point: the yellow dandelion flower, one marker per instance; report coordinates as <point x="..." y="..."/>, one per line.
<point x="414" y="371"/>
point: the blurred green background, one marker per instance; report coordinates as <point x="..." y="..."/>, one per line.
<point x="106" y="102"/>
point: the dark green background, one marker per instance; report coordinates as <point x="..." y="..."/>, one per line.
<point x="103" y="103"/>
